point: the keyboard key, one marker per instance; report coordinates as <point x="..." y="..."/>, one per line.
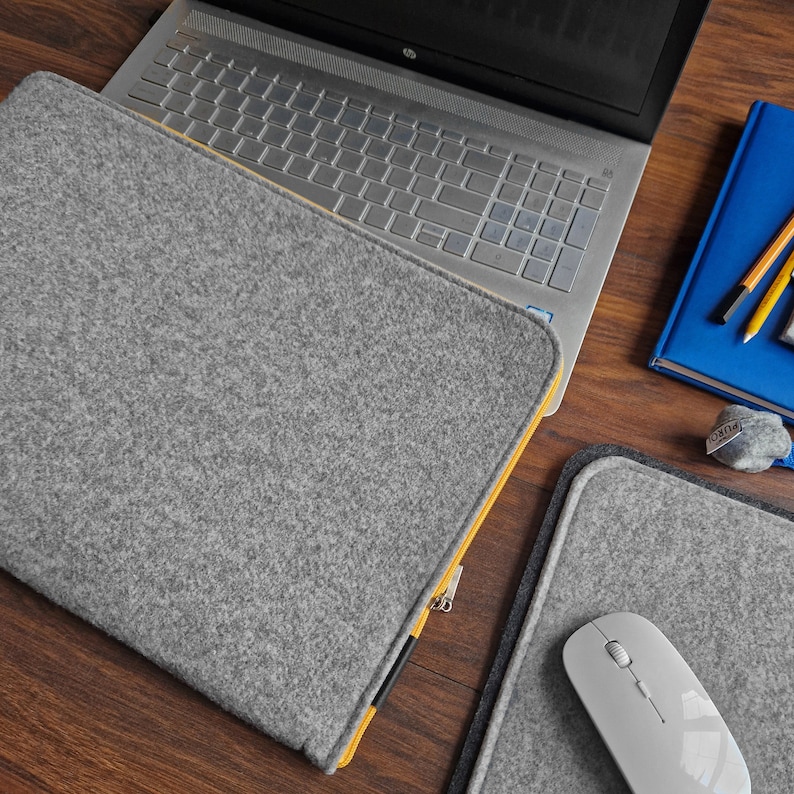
<point x="178" y="123"/>
<point x="560" y="210"/>
<point x="377" y="127"/>
<point x="482" y="183"/>
<point x="402" y="136"/>
<point x="277" y="159"/>
<point x="330" y="133"/>
<point x="403" y="202"/>
<point x="536" y="270"/>
<point x="600" y="184"/>
<point x="448" y="217"/>
<point x="454" y="174"/>
<point x="350" y="161"/>
<point x="201" y="132"/>
<point x="305" y="124"/>
<point x="227" y="141"/>
<point x="304" y="103"/>
<point x="257" y="108"/>
<point x="405" y="226"/>
<point x="544" y="183"/>
<point x="567" y="191"/>
<point x="280" y="94"/>
<point x="550" y="168"/>
<point x="457" y="244"/>
<point x="581" y="227"/>
<point x="233" y="80"/>
<point x="230" y="99"/>
<point x="552" y="229"/>
<point x="329" y="111"/>
<point x="178" y="103"/>
<point x="426" y="144"/>
<point x="527" y="221"/>
<point x="462" y="199"/>
<point x="325" y="153"/>
<point x="405" y="158"/>
<point x="281" y="116"/>
<point x="400" y="178"/>
<point x="544" y="249"/>
<point x="519" y="174"/>
<point x="185" y="63"/>
<point x="375" y="170"/>
<point x="209" y="71"/>
<point x="158" y="75"/>
<point x="353" y="118"/>
<point x="352" y="184"/>
<point x="451" y="152"/>
<point x="378" y="217"/>
<point x="425" y="187"/>
<point x="510" y="194"/>
<point x="328" y="176"/>
<point x="494" y="256"/>
<point x="519" y="241"/>
<point x="566" y="269"/>
<point x="355" y="141"/>
<point x="352" y="208"/>
<point x="298" y="144"/>
<point x="275" y="136"/>
<point x="148" y="92"/>
<point x="501" y="212"/>
<point x="428" y="166"/>
<point x="251" y="128"/>
<point x="257" y="87"/>
<point x="377" y="193"/>
<point x="227" y="119"/>
<point x="301" y="167"/>
<point x="380" y="150"/>
<point x="536" y="202"/>
<point x="209" y="92"/>
<point x="593" y="199"/>
<point x="202" y="111"/>
<point x="487" y="163"/>
<point x="494" y="232"/>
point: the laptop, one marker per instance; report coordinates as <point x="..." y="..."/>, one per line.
<point x="503" y="141"/>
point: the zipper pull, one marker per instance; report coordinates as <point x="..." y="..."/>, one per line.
<point x="444" y="602"/>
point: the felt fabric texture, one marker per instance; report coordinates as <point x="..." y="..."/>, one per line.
<point x="239" y="434"/>
<point x="711" y="569"/>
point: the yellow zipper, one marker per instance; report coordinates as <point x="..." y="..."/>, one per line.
<point x="347" y="756"/>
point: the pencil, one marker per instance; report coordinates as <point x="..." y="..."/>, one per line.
<point x="756" y="272"/>
<point x="770" y="299"/>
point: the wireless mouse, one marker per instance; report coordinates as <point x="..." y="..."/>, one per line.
<point x="659" y="724"/>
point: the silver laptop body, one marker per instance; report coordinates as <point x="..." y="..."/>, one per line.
<point x="522" y="202"/>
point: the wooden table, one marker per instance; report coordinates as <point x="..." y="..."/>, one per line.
<point x="79" y="712"/>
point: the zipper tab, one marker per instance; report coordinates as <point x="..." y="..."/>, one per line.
<point x="444" y="602"/>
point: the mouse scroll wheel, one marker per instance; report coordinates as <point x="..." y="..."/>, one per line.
<point x="618" y="653"/>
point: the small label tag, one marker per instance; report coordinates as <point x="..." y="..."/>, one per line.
<point x="721" y="435"/>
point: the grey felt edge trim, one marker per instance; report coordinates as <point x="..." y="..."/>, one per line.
<point x="547" y="546"/>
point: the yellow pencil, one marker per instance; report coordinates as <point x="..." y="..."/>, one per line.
<point x="756" y="272"/>
<point x="770" y="299"/>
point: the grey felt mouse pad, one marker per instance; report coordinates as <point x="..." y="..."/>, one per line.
<point x="238" y="434"/>
<point x="713" y="570"/>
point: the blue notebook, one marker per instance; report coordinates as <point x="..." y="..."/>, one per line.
<point x="756" y="199"/>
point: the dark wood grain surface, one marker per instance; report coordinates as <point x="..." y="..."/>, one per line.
<point x="81" y="713"/>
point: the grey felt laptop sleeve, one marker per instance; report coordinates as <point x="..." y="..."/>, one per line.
<point x="238" y="434"/>
<point x="712" y="569"/>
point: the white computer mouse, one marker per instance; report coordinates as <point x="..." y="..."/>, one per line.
<point x="661" y="727"/>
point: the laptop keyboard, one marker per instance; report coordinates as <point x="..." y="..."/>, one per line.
<point x="388" y="171"/>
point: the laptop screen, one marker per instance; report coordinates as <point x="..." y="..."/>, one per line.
<point x="612" y="63"/>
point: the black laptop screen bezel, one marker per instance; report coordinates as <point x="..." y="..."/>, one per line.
<point x="641" y="126"/>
